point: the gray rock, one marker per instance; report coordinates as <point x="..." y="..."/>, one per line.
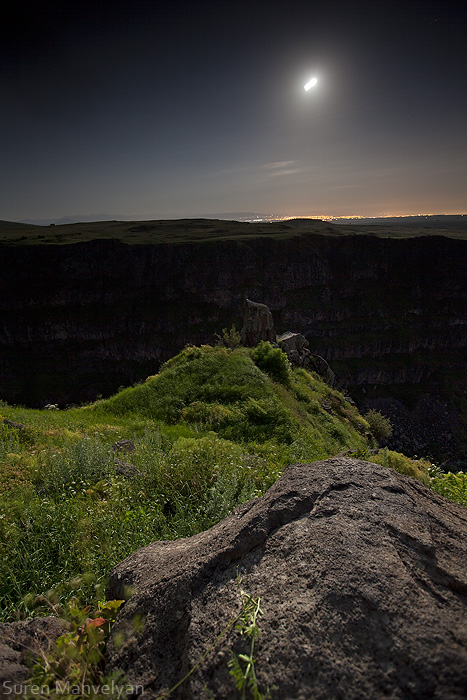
<point x="295" y="346"/>
<point x="20" y="643"/>
<point x="320" y="365"/>
<point x="123" y="446"/>
<point x="362" y="574"/>
<point x="125" y="468"/>
<point x="257" y="324"/>
<point x="292" y="342"/>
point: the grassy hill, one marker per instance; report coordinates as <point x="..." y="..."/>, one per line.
<point x="213" y="429"/>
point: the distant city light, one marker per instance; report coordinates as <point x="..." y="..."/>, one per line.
<point x="272" y="218"/>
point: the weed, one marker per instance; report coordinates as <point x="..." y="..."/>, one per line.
<point x="222" y="634"/>
<point x="76" y="660"/>
<point x="229" y="339"/>
<point x="380" y="426"/>
<point x="77" y="466"/>
<point x="417" y="468"/>
<point x="242" y="666"/>
<point x="452" y="486"/>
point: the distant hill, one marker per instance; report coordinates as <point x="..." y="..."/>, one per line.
<point x="198" y="230"/>
<point x="77" y="218"/>
<point x="85" y="218"/>
<point x="5" y="225"/>
<point x="425" y="221"/>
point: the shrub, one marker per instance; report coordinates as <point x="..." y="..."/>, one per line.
<point x="259" y="419"/>
<point x="400" y="463"/>
<point x="230" y="488"/>
<point x="452" y="486"/>
<point x="71" y="513"/>
<point x="193" y="464"/>
<point x="380" y="426"/>
<point x="272" y="361"/>
<point x="229" y="339"/>
<point x="76" y="467"/>
<point x="213" y="375"/>
<point x="211" y="415"/>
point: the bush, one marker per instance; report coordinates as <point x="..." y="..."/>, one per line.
<point x="211" y="375"/>
<point x="259" y="420"/>
<point x="211" y="430"/>
<point x="77" y="466"/>
<point x="194" y="463"/>
<point x="229" y="339"/>
<point x="211" y="415"/>
<point x="380" y="426"/>
<point x="452" y="486"/>
<point x="77" y="657"/>
<point x="417" y="468"/>
<point x="272" y="361"/>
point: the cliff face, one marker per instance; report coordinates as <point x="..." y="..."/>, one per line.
<point x="81" y="320"/>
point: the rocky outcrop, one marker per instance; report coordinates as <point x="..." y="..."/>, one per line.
<point x="296" y="347"/>
<point x="257" y="324"/>
<point x="294" y="344"/>
<point x="363" y="583"/>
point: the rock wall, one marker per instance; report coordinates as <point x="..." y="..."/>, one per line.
<point x="81" y="320"/>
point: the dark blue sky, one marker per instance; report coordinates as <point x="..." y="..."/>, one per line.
<point x="173" y="108"/>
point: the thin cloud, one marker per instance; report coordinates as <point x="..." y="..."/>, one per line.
<point x="286" y="172"/>
<point x="280" y="168"/>
<point x="279" y="164"/>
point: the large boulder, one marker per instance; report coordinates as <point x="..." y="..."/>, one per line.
<point x="258" y="324"/>
<point x="292" y="342"/>
<point x="362" y="574"/>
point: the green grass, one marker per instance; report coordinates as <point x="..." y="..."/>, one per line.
<point x="211" y="430"/>
<point x="452" y="486"/>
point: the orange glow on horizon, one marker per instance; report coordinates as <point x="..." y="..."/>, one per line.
<point x="327" y="217"/>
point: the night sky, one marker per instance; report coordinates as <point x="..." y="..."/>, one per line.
<point x="177" y="108"/>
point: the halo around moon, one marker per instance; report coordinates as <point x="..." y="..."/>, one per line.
<point x="311" y="83"/>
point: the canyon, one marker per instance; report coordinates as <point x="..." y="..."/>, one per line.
<point x="81" y="319"/>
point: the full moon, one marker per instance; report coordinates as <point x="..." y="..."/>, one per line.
<point x="311" y="83"/>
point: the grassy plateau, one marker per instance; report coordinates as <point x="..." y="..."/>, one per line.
<point x="173" y="231"/>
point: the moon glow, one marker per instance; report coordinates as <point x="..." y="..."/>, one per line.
<point x="311" y="83"/>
